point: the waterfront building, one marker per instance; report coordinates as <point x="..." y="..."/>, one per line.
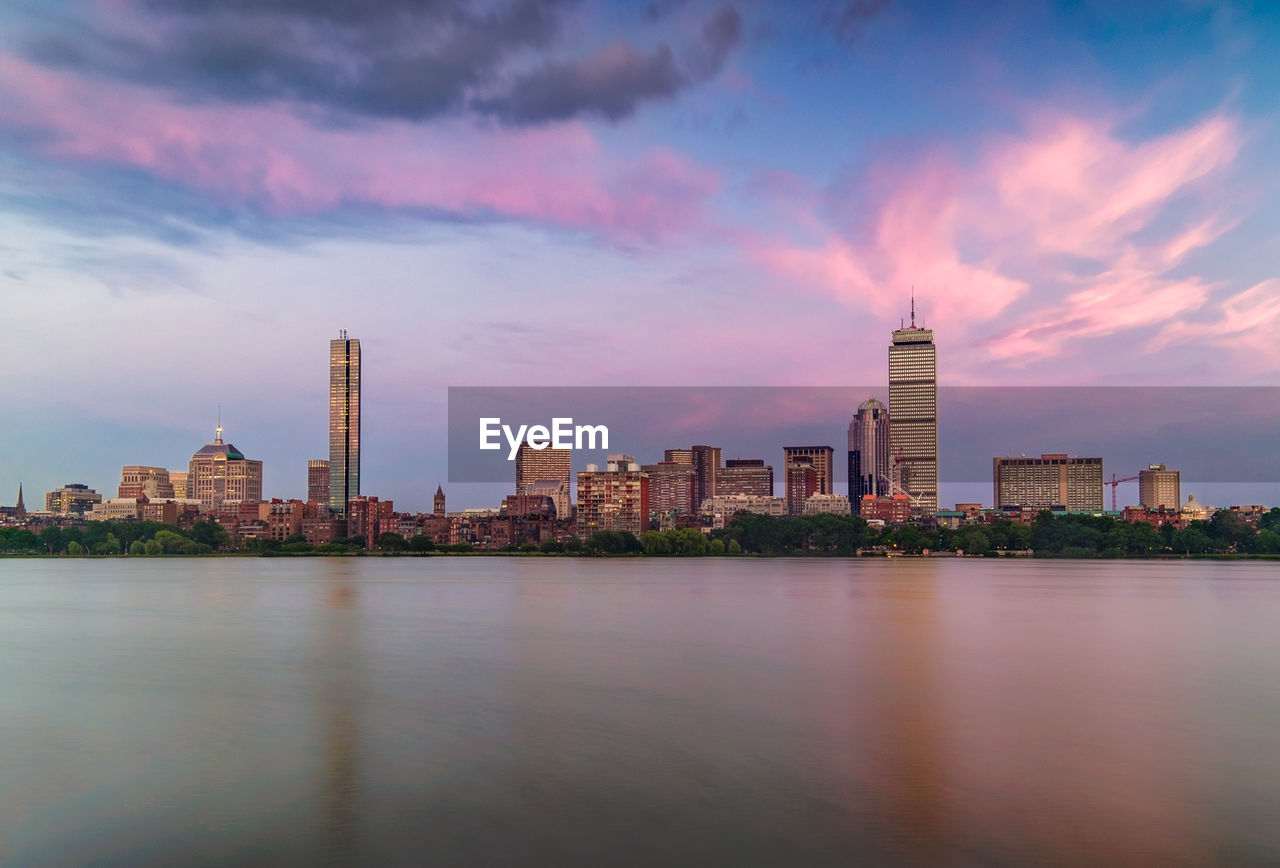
<point x="616" y="498"/>
<point x="117" y="509"/>
<point x="364" y="515"/>
<point x="721" y="509"/>
<point x="137" y="480"/>
<point x="72" y="499"/>
<point x="318" y="481"/>
<point x="1159" y="488"/>
<point x="219" y="474"/>
<point x="749" y="476"/>
<point x="344" y="422"/>
<point x="535" y="465"/>
<point x="673" y="488"/>
<point x="826" y="504"/>
<point x="1052" y="481"/>
<point x="823" y="460"/>
<point x="886" y="508"/>
<point x="870" y="453"/>
<point x="913" y="413"/>
<point x="801" y="483"/>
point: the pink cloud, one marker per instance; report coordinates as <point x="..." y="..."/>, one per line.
<point x="1053" y="234"/>
<point x="1247" y="325"/>
<point x="269" y="156"/>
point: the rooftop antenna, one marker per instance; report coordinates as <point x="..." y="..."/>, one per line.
<point x="218" y="437"/>
<point x="913" y="305"/>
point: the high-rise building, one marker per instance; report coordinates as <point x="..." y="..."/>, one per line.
<point x="178" y="479"/>
<point x="533" y="465"/>
<point x="870" y="467"/>
<point x="913" y="413"/>
<point x="138" y="480"/>
<point x="822" y="459"/>
<point x="72" y="499"/>
<point x="1159" y="488"/>
<point x="616" y="498"/>
<point x="219" y="475"/>
<point x="1052" y="481"/>
<point x="344" y="422"/>
<point x="673" y="488"/>
<point x="678" y="456"/>
<point x="801" y="484"/>
<point x="706" y="464"/>
<point x="745" y="476"/>
<point x="318" y="481"/>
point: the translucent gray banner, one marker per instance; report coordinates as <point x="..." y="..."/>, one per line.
<point x="1210" y="434"/>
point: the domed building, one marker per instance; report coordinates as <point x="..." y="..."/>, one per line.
<point x="870" y="467"/>
<point x="220" y="475"/>
<point x="1193" y="510"/>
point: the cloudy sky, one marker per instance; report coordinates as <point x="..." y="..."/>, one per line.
<point x="195" y="195"/>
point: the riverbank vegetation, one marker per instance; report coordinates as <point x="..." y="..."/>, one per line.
<point x="1069" y="536"/>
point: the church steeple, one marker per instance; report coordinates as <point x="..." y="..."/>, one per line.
<point x="438" y="505"/>
<point x="20" y="511"/>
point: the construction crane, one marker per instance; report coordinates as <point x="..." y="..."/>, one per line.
<point x="1113" y="482"/>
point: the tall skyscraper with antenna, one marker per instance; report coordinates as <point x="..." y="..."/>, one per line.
<point x="913" y="412"/>
<point x="344" y="422"/>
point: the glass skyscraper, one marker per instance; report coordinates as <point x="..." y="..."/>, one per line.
<point x="344" y="422"/>
<point x="870" y="470"/>
<point x="913" y="413"/>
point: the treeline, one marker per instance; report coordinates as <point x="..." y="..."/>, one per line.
<point x="1049" y="535"/>
<point x="115" y="538"/>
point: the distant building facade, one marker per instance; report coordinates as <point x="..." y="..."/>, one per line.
<point x="344" y="422"/>
<point x="870" y="451"/>
<point x="826" y="504"/>
<point x="1159" y="487"/>
<point x="533" y="465"/>
<point x="746" y="476"/>
<point x="1052" y="481"/>
<point x="887" y="508"/>
<point x="822" y="459"/>
<point x="616" y="498"/>
<point x="673" y="488"/>
<point x="220" y="474"/>
<point x="801" y="483"/>
<point x="318" y="481"/>
<point x="138" y="480"/>
<point x="72" y="499"/>
<point x="913" y="413"/>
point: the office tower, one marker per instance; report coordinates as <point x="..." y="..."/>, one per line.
<point x="678" y="456"/>
<point x="344" y="422"/>
<point x="870" y="467"/>
<point x="178" y="479"/>
<point x="913" y="413"/>
<point x="616" y="498"/>
<point x="673" y="488"/>
<point x="533" y="465"/>
<point x="1159" y="488"/>
<point x="318" y="481"/>
<point x="72" y="499"/>
<point x="822" y="459"/>
<point x="219" y="474"/>
<point x="706" y="463"/>
<point x="437" y="505"/>
<point x="746" y="476"/>
<point x="138" y="480"/>
<point x="1052" y="481"/>
<point x="801" y="484"/>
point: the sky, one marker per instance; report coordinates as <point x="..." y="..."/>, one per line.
<point x="195" y="195"/>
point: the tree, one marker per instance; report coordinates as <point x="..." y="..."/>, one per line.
<point x="210" y="533"/>
<point x="153" y="547"/>
<point x="170" y="541"/>
<point x="392" y="542"/>
<point x="655" y="543"/>
<point x="137" y="547"/>
<point x="972" y="540"/>
<point x="421" y="543"/>
<point x="716" y="547"/>
<point x="552" y="546"/>
<point x="51" y="539"/>
<point x="74" y="548"/>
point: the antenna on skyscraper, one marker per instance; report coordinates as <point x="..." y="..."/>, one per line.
<point x="217" y="437"/>
<point x="913" y="305"/>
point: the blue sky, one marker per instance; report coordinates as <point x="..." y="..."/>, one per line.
<point x="195" y="195"/>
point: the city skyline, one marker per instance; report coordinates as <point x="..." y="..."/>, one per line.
<point x="1082" y="195"/>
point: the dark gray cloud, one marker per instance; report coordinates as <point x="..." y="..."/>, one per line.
<point x="409" y="59"/>
<point x="614" y="81"/>
<point x="846" y="20"/>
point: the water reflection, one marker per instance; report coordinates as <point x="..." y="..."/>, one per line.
<point x="339" y="654"/>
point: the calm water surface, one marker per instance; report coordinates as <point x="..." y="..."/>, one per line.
<point x="638" y="712"/>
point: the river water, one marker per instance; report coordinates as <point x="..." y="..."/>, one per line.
<point x="531" y="711"/>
